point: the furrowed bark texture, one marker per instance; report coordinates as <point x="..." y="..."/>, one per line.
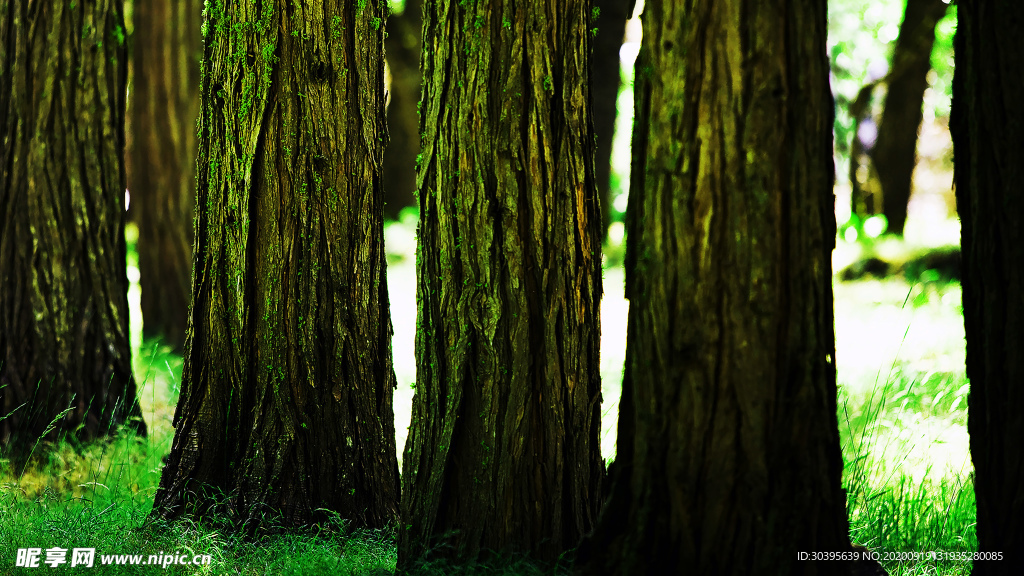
<point x="65" y="359"/>
<point x="167" y="48"/>
<point x="503" y="454"/>
<point x="986" y="125"/>
<point x="287" y="384"/>
<point x="403" y="53"/>
<point x="728" y="458"/>
<point x="895" y="151"/>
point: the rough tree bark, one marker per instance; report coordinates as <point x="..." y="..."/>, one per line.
<point x="503" y="453"/>
<point x="604" y="82"/>
<point x="285" y="407"/>
<point x="895" y="153"/>
<point x="403" y="53"/>
<point x="728" y="458"/>
<point x="985" y="123"/>
<point x="64" y="351"/>
<point x="167" y="47"/>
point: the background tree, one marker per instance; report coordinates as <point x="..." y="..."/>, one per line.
<point x="503" y="452"/>
<point x="167" y="47"/>
<point x="604" y="81"/>
<point x="287" y="383"/>
<point x="403" y="54"/>
<point x="64" y="352"/>
<point x="895" y="152"/>
<point x="985" y="124"/>
<point x="728" y="457"/>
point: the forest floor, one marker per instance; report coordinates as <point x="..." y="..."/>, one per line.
<point x="902" y="418"/>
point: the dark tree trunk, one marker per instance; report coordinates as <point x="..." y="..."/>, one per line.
<point x="403" y="53"/>
<point x="986" y="124"/>
<point x="895" y="151"/>
<point x="503" y="453"/>
<point x="64" y="351"/>
<point x="604" y="82"/>
<point x="286" y="390"/>
<point x="167" y="46"/>
<point x="728" y="449"/>
<point x="864" y="198"/>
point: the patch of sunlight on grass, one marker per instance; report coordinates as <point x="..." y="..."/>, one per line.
<point x="886" y="324"/>
<point x="909" y="431"/>
<point x="903" y="420"/>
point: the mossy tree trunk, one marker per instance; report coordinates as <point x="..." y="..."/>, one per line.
<point x="985" y="124"/>
<point x="167" y="47"/>
<point x="64" y="351"/>
<point x="403" y="53"/>
<point x="604" y="80"/>
<point x="728" y="458"/>
<point x="895" y="151"/>
<point x="285" y="409"/>
<point x="503" y="454"/>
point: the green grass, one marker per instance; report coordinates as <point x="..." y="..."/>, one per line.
<point x="903" y="423"/>
<point x="112" y="525"/>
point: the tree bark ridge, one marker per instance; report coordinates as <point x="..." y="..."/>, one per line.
<point x="65" y="358"/>
<point x="286" y="407"/>
<point x="984" y="123"/>
<point x="503" y="453"/>
<point x="728" y="457"/>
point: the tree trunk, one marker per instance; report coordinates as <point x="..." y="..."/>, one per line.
<point x="864" y="198"/>
<point x="167" y="46"/>
<point x="985" y="123"/>
<point x="286" y="390"/>
<point x="604" y="80"/>
<point x="65" y="360"/>
<point x="403" y="53"/>
<point x="503" y="453"/>
<point x="728" y="448"/>
<point x="895" y="151"/>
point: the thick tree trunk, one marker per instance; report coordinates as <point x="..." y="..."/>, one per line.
<point x="604" y="80"/>
<point x="503" y="453"/>
<point x="728" y="449"/>
<point x="286" y="390"/>
<point x="895" y="151"/>
<point x="64" y="352"/>
<point x="986" y="127"/>
<point x="403" y="53"/>
<point x="164" y="105"/>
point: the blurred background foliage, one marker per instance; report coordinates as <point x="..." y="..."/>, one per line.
<point x="862" y="36"/>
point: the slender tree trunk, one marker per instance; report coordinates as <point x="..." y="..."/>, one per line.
<point x="864" y="198"/>
<point x="728" y="449"/>
<point x="895" y="151"/>
<point x="285" y="409"/>
<point x="604" y="80"/>
<point x="167" y="47"/>
<point x="403" y="53"/>
<point x="64" y="352"/>
<point x="985" y="123"/>
<point x="503" y="453"/>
